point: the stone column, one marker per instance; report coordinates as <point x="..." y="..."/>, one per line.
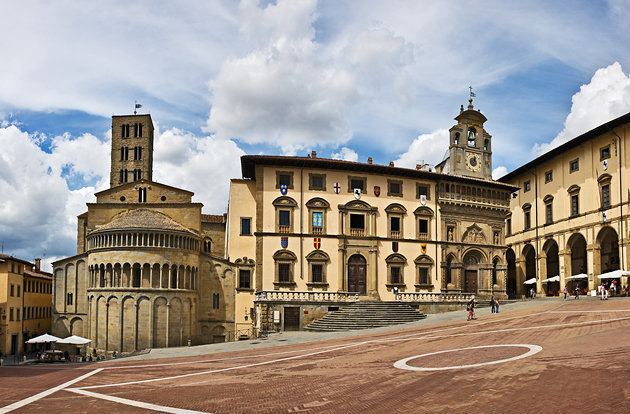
<point x="168" y="320"/>
<point x="106" y="326"/>
<point x="151" y="324"/>
<point x="593" y="262"/>
<point x="121" y="308"/>
<point x="135" y="326"/>
<point x="565" y="267"/>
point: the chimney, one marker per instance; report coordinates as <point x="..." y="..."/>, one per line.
<point x="38" y="264"/>
<point x="391" y="163"/>
<point x="313" y="154"/>
<point x="418" y="167"/>
<point x="370" y="160"/>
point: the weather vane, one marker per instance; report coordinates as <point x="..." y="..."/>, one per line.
<point x="136" y="107"/>
<point x="470" y="97"/>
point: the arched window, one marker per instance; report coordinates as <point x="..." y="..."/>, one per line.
<point x="448" y="275"/>
<point x="456" y="139"/>
<point x="472" y="137"/>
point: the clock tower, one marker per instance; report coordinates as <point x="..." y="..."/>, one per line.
<point x="470" y="148"/>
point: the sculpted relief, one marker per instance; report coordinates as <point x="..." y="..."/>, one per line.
<point x="474" y="235"/>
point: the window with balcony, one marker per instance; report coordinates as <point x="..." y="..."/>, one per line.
<point x="284" y="214"/>
<point x="284" y="221"/>
<point x="395" y="214"/>
<point x="357" y="224"/>
<point x="317" y="208"/>
<point x="424" y="216"/>
<point x="395" y="227"/>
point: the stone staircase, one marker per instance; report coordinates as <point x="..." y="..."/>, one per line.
<point x="364" y="315"/>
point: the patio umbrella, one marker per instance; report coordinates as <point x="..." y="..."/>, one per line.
<point x="530" y="281"/>
<point x="551" y="279"/>
<point x="74" y="340"/>
<point x="578" y="276"/>
<point x="615" y="274"/>
<point x="43" y="339"/>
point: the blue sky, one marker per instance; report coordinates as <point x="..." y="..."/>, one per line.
<point x="223" y="78"/>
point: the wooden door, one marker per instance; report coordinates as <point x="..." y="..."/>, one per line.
<point x="291" y="318"/>
<point x="470" y="281"/>
<point x="357" y="270"/>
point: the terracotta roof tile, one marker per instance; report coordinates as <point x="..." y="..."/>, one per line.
<point x="143" y="219"/>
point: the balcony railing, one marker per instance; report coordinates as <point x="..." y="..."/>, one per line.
<point x="436" y="297"/>
<point x="394" y="234"/>
<point x="318" y="230"/>
<point x="284" y="229"/>
<point x="293" y="296"/>
<point x="357" y="232"/>
<point x="423" y="236"/>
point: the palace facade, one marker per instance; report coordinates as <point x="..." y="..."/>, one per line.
<point x="308" y="234"/>
<point x="149" y="270"/>
<point x="568" y="223"/>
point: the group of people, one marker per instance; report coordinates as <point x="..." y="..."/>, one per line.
<point x="470" y="307"/>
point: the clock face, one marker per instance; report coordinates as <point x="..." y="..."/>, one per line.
<point x="472" y="162"/>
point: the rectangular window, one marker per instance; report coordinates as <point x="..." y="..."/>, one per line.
<point x="135" y="130"/>
<point x="548" y="176"/>
<point x="284" y="272"/>
<point x="284" y="178"/>
<point x="528" y="220"/>
<point x="246" y="229"/>
<point x="574" y="165"/>
<point x="245" y="279"/>
<point x="69" y="299"/>
<point x="424" y="275"/>
<point x="357" y="221"/>
<point x="527" y="186"/>
<point x="125" y="130"/>
<point x="394" y="188"/>
<point x="549" y="213"/>
<point x="317" y="272"/>
<point x="395" y="275"/>
<point x="12" y="290"/>
<point x="142" y="195"/>
<point x="604" y="153"/>
<point x="423" y="227"/>
<point x="139" y="130"/>
<point x="11" y="314"/>
<point x="317" y="182"/>
<point x="19" y="288"/>
<point x="606" y="196"/>
<point x="215" y="301"/>
<point x="394" y="224"/>
<point x="18" y="314"/>
<point x="284" y="218"/>
<point x="357" y="182"/>
<point x="317" y="222"/>
<point x="423" y="190"/>
<point x="575" y="204"/>
<point x="508" y="226"/>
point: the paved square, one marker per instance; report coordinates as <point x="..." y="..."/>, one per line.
<point x="559" y="357"/>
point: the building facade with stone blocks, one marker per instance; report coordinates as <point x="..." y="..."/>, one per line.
<point x="569" y="220"/>
<point x="309" y="234"/>
<point x="149" y="270"/>
<point x="25" y="303"/>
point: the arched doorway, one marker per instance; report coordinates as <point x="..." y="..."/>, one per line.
<point x="552" y="262"/>
<point x="511" y="288"/>
<point x="472" y="259"/>
<point x="608" y="255"/>
<point x="529" y="253"/>
<point x="357" y="270"/>
<point x="577" y="245"/>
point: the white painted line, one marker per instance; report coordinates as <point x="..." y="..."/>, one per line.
<point x="33" y="398"/>
<point x="591" y="311"/>
<point x="134" y="403"/>
<point x="403" y="363"/>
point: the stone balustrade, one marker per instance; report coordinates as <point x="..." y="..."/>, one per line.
<point x="294" y="296"/>
<point x="434" y="297"/>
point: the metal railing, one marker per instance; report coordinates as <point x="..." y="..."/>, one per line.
<point x="282" y="296"/>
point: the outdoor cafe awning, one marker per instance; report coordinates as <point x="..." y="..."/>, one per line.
<point x="530" y="281"/>
<point x="43" y="339"/>
<point x="74" y="340"/>
<point x="551" y="279"/>
<point x="615" y="274"/>
<point x="578" y="276"/>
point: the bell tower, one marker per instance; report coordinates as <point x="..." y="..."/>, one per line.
<point x="132" y="149"/>
<point x="470" y="147"/>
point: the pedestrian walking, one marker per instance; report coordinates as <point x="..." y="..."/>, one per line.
<point x="496" y="306"/>
<point x="601" y="289"/>
<point x="493" y="305"/>
<point x="566" y="292"/>
<point x="471" y="309"/>
<point x="577" y="292"/>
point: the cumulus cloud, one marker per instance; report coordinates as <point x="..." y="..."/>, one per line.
<point x="499" y="172"/>
<point x="605" y="97"/>
<point x="425" y="149"/>
<point x="346" y="154"/>
<point x="202" y="164"/>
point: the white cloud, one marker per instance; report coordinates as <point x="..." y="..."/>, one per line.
<point x="202" y="164"/>
<point x="425" y="149"/>
<point x="346" y="154"/>
<point x="499" y="172"/>
<point x="605" y="97"/>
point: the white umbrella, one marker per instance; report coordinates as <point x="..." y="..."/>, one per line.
<point x="615" y="274"/>
<point x="551" y="279"/>
<point x="43" y="339"/>
<point x="578" y="276"/>
<point x="74" y="340"/>
<point x="530" y="281"/>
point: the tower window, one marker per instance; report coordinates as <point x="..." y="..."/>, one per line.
<point x="123" y="176"/>
<point x="486" y="145"/>
<point x="124" y="153"/>
<point x="137" y="175"/>
<point x="142" y="195"/>
<point x="472" y="137"/>
<point x="125" y="130"/>
<point x="456" y="139"/>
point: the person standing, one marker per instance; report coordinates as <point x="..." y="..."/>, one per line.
<point x="471" y="309"/>
<point x="566" y="292"/>
<point x="496" y="306"/>
<point x="577" y="292"/>
<point x="493" y="305"/>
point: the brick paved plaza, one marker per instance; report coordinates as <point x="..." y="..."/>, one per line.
<point x="570" y="357"/>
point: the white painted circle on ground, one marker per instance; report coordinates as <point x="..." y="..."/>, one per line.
<point x="403" y="363"/>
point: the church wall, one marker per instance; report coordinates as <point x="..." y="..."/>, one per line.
<point x="188" y="215"/>
<point x="155" y="192"/>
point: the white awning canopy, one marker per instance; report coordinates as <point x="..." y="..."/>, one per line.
<point x="578" y="276"/>
<point x="74" y="340"/>
<point x="615" y="274"/>
<point x="551" y="279"/>
<point x="43" y="339"/>
<point x="530" y="281"/>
